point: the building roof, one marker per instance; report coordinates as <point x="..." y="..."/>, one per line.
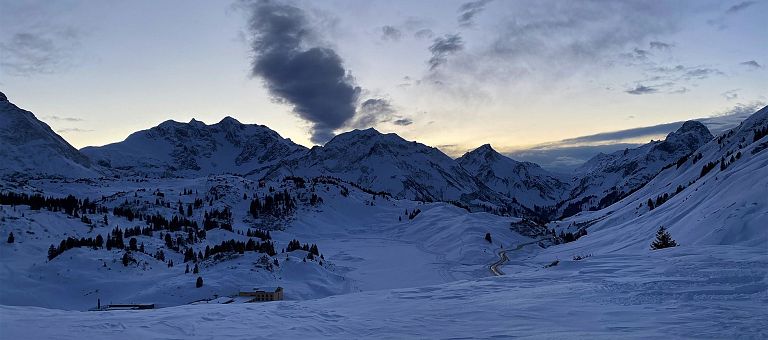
<point x="270" y="289"/>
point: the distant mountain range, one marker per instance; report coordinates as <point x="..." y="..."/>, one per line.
<point x="481" y="179"/>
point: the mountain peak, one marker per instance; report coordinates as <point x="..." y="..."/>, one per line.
<point x="692" y="125"/>
<point x="229" y="121"/>
<point x="3" y="98"/>
<point x="485" y="151"/>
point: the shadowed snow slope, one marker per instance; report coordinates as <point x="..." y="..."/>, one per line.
<point x="29" y="146"/>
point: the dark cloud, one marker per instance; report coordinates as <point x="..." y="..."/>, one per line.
<point x="392" y="33"/>
<point x="662" y="46"/>
<point x="442" y="47"/>
<point x="740" y="6"/>
<point x="641" y="89"/>
<point x="312" y="79"/>
<point x="617" y="136"/>
<point x="29" y="53"/>
<point x="751" y="63"/>
<point x="403" y="122"/>
<point x="469" y="10"/>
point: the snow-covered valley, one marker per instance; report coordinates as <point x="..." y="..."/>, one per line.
<point x="394" y="239"/>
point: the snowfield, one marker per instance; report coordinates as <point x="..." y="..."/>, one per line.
<point x="713" y="292"/>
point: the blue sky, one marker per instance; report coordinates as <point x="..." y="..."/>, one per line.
<point x="451" y="74"/>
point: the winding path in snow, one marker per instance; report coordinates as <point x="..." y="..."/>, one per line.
<point x="495" y="267"/>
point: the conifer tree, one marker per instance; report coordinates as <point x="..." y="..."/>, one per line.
<point x="199" y="282"/>
<point x="11" y="238"/>
<point x="663" y="240"/>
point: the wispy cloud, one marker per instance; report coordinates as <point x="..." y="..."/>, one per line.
<point x="739" y="7"/>
<point x="730" y="94"/>
<point x="73" y="130"/>
<point x="32" y="53"/>
<point x="391" y="33"/>
<point x="63" y="119"/>
<point x="442" y="47"/>
<point x="403" y="121"/>
<point x="468" y="11"/>
<point x="751" y="63"/>
<point x="662" y="46"/>
<point x="642" y="89"/>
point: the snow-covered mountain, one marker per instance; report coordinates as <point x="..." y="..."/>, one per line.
<point x="717" y="196"/>
<point x="387" y="162"/>
<point x="606" y="178"/>
<point x="30" y="147"/>
<point x="196" y="149"/>
<point x="525" y="182"/>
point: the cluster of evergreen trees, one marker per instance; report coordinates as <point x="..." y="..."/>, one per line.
<point x="707" y="168"/>
<point x="413" y="213"/>
<point x="565" y="237"/>
<point x="263" y="235"/>
<point x="276" y="204"/>
<point x="70" y="205"/>
<point x="760" y="133"/>
<point x="296" y="245"/>
<point x="234" y="246"/>
<point x="73" y="242"/>
<point x="661" y="199"/>
<point x="725" y="163"/>
<point x="218" y="219"/>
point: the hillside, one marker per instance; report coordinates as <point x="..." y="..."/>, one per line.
<point x="606" y="178"/>
<point x="31" y="148"/>
<point x="714" y="197"/>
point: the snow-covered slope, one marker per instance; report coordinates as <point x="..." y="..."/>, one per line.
<point x="525" y="182"/>
<point x="30" y="147"/>
<point x="712" y="293"/>
<point x="724" y="205"/>
<point x="387" y="162"/>
<point x="604" y="179"/>
<point x="196" y="149"/>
